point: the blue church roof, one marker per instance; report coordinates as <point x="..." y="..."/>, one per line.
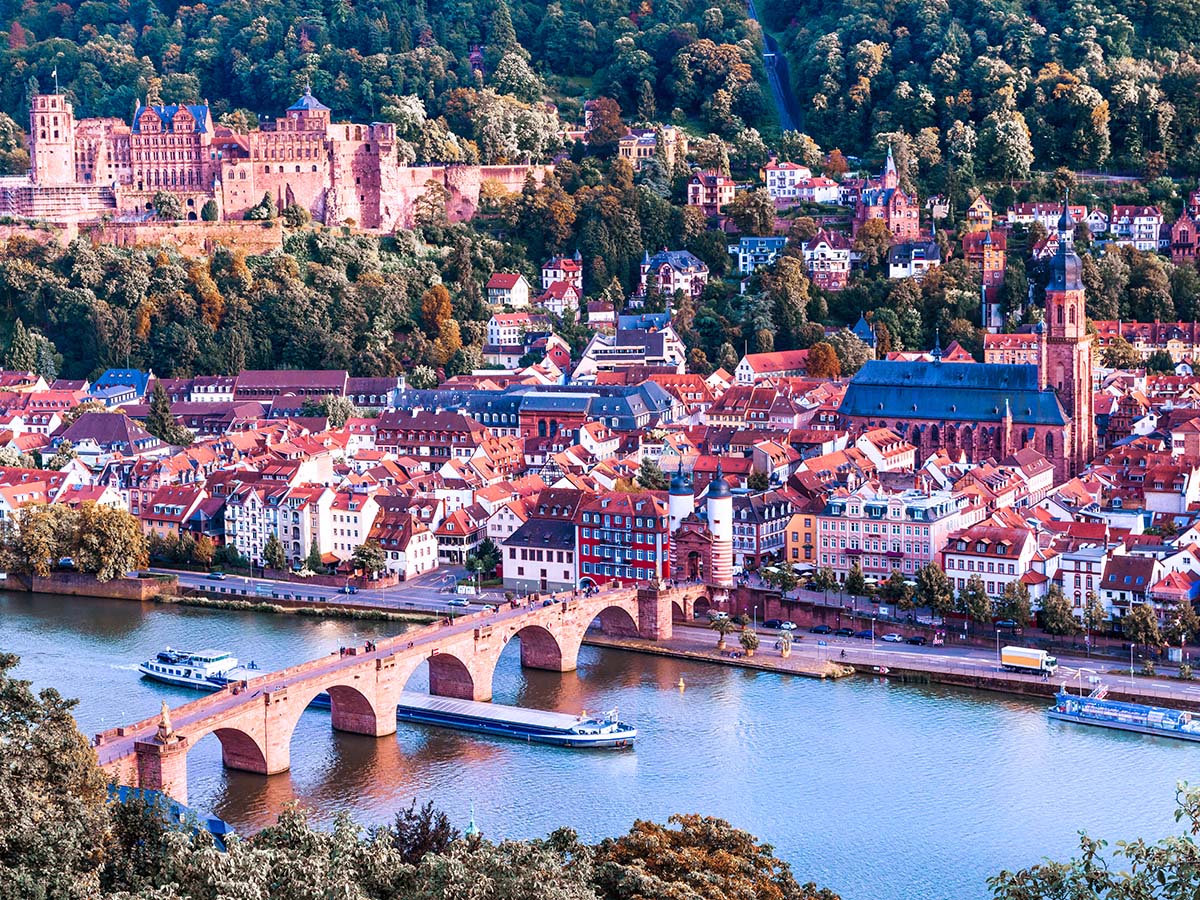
<point x="962" y="392"/>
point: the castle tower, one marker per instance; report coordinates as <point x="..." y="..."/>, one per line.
<point x="681" y="502"/>
<point x="1066" y="354"/>
<point x="720" y="523"/>
<point x="52" y="140"/>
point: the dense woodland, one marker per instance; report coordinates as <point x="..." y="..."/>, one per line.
<point x="995" y="85"/>
<point x="373" y="61"/>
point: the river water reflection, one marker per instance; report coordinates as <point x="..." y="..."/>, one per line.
<point x="878" y="791"/>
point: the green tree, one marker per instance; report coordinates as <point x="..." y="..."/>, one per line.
<point x="423" y="378"/>
<point x="52" y="810"/>
<point x="22" y="350"/>
<point x="337" y="409"/>
<point x="1120" y="354"/>
<point x="897" y="591"/>
<point x="852" y="352"/>
<point x="1015" y="604"/>
<point x="651" y="476"/>
<point x="934" y="589"/>
<point x="1182" y="624"/>
<point x="758" y="480"/>
<point x="264" y="210"/>
<point x="753" y="212"/>
<point x="161" y="423"/>
<point x="295" y="216"/>
<point x="855" y="584"/>
<point x="167" y="206"/>
<point x="973" y="601"/>
<point x="210" y="212"/>
<point x="313" y="561"/>
<point x="204" y="550"/>
<point x="369" y="558"/>
<point x="1057" y="615"/>
<point x="273" y="553"/>
<point x="1140" y="625"/>
<point x="1095" y="616"/>
<point x="110" y="542"/>
<point x="1160" y="363"/>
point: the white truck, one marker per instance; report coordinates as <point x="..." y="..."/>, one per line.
<point x="1025" y="659"/>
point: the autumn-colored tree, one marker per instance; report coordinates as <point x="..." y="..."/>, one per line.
<point x="836" y="164"/>
<point x="823" y="361"/>
<point x="607" y="126"/>
<point x="872" y="242"/>
<point x="436" y="309"/>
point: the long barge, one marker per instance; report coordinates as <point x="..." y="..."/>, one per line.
<point x="530" y="725"/>
<point x="1095" y="709"/>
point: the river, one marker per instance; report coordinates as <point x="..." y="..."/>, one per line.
<point x="875" y="790"/>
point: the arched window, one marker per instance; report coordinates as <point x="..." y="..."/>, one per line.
<point x="1060" y="314"/>
<point x="1049" y="444"/>
<point x="1071" y="315"/>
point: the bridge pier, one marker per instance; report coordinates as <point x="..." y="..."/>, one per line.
<point x="654" y="614"/>
<point x="163" y="767"/>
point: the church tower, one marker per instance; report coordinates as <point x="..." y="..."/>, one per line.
<point x="891" y="178"/>
<point x="1067" y="357"/>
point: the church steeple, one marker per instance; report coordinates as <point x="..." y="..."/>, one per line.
<point x="1066" y="356"/>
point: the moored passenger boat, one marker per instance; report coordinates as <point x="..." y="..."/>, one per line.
<point x="1096" y="709"/>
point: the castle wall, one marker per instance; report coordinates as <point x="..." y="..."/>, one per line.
<point x="191" y="238"/>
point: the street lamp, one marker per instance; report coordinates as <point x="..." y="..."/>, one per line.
<point x="998" y="660"/>
<point x="754" y="620"/>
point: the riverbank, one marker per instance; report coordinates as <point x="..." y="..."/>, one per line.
<point x="682" y="648"/>
<point x="294" y="608"/>
<point x="814" y="662"/>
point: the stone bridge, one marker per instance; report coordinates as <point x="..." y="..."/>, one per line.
<point x="254" y="720"/>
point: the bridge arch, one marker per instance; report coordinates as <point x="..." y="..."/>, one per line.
<point x="541" y="649"/>
<point x="449" y="676"/>
<point x="242" y="749"/>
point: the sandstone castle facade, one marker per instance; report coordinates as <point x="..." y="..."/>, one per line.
<point x="84" y="169"/>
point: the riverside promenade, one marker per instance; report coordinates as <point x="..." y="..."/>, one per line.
<point x="915" y="665"/>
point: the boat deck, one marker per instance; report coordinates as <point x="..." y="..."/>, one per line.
<point x="493" y="712"/>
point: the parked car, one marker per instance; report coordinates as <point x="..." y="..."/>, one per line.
<point x="217" y="576"/>
<point x="1007" y="625"/>
<point x="489" y="608"/>
<point x="772" y="623"/>
<point x="348" y="589"/>
<point x="866" y="633"/>
<point x="790" y="626"/>
<point x="892" y="638"/>
<point x="917" y="640"/>
<point x="812" y="586"/>
<point x="714" y="615"/>
<point x="822" y="629"/>
<point x="458" y="601"/>
<point x="845" y="632"/>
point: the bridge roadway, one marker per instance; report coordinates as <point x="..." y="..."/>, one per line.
<point x="254" y="720"/>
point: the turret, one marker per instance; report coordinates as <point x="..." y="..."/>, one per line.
<point x="720" y="525"/>
<point x="681" y="502"/>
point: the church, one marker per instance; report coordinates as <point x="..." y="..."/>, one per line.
<point x="990" y="410"/>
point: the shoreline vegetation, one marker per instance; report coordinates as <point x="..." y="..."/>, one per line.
<point x="322" y="612"/>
